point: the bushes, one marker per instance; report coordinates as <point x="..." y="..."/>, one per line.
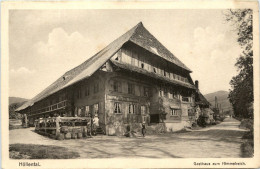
<point x="201" y="121"/>
<point x="247" y="123"/>
<point x="247" y="148"/>
<point x="220" y="118"/>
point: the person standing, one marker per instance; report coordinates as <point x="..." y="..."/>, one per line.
<point x="91" y="125"/>
<point x="143" y="129"/>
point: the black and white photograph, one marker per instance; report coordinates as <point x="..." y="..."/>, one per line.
<point x="131" y="83"/>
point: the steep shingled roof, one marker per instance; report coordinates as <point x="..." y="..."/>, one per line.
<point x="137" y="34"/>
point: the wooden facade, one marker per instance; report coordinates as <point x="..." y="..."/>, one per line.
<point x="132" y="87"/>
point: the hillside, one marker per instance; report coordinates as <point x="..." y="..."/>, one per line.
<point x="14" y="103"/>
<point x="16" y="100"/>
<point x="222" y="97"/>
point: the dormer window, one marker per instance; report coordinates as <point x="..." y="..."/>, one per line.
<point x="154" y="69"/>
<point x="142" y="65"/>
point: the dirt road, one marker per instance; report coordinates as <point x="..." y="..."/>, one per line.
<point x="222" y="140"/>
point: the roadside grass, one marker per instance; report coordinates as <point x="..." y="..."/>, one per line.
<point x="33" y="151"/>
<point x="247" y="147"/>
<point x="12" y="127"/>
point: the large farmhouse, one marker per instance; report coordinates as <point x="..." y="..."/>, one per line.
<point x="133" y="80"/>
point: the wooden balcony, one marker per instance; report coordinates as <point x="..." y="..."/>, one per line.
<point x="57" y="106"/>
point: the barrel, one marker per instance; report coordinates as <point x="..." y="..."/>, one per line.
<point x="73" y="135"/>
<point x="79" y="135"/>
<point x="74" y="130"/>
<point x="70" y="129"/>
<point x="84" y="128"/>
<point x="53" y="136"/>
<point x="53" y="132"/>
<point x="60" y="136"/>
<point x="68" y="135"/>
<point x="64" y="129"/>
<point x="85" y="134"/>
<point x="79" y="130"/>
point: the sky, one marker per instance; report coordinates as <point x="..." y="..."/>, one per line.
<point x="44" y="44"/>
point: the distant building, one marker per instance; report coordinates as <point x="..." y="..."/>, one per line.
<point x="133" y="80"/>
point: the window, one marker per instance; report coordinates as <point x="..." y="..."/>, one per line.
<point x="133" y="60"/>
<point x="79" y="112"/>
<point x="170" y="94"/>
<point x="79" y="94"/>
<point x="165" y="92"/>
<point x="174" y="112"/>
<point x="87" y="112"/>
<point x="132" y="109"/>
<point x="175" y="94"/>
<point x="160" y="91"/>
<point x="164" y="73"/>
<point x="141" y="62"/>
<point x="144" y="119"/>
<point x="116" y="57"/>
<point x="148" y="67"/>
<point x="131" y="88"/>
<point x="185" y="99"/>
<point x="146" y="91"/>
<point x="87" y="92"/>
<point x="95" y="107"/>
<point x="135" y="56"/>
<point x="158" y="70"/>
<point x="142" y="65"/>
<point x="168" y="75"/>
<point x="143" y="110"/>
<point x="171" y="76"/>
<point x="154" y="69"/>
<point x="182" y="79"/>
<point x="117" y="86"/>
<point x="96" y="88"/>
<point x="117" y="108"/>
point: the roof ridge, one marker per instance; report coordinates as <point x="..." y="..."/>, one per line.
<point x="163" y="51"/>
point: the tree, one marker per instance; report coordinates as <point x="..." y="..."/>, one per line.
<point x="241" y="94"/>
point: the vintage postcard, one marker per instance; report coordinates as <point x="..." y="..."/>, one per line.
<point x="130" y="84"/>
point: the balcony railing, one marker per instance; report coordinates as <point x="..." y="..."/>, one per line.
<point x="56" y="106"/>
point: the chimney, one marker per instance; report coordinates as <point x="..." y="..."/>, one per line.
<point x="197" y="84"/>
